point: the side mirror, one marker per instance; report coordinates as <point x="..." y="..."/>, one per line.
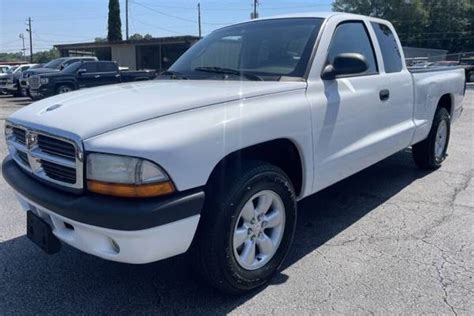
<point x="345" y="64"/>
<point x="81" y="71"/>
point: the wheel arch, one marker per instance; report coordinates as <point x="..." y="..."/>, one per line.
<point x="281" y="152"/>
<point x="446" y="101"/>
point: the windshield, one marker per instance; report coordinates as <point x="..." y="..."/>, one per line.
<point x="72" y="68"/>
<point x="54" y="64"/>
<point x="11" y="70"/>
<point x="267" y="50"/>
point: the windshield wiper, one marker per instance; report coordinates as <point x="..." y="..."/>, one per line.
<point x="175" y="74"/>
<point x="228" y="71"/>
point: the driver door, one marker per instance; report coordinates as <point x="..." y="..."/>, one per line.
<point x="88" y="75"/>
<point x="345" y="110"/>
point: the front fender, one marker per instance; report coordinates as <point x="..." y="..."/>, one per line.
<point x="189" y="144"/>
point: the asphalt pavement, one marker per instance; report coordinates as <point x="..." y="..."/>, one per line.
<point x="390" y="239"/>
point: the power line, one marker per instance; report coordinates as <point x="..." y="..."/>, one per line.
<point x="154" y="26"/>
<point x="174" y="16"/>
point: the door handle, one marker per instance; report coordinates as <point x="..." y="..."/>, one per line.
<point x="384" y="94"/>
<point x="97" y="76"/>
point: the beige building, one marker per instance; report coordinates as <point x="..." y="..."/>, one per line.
<point x="156" y="53"/>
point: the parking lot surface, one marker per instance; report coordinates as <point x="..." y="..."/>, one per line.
<point x="390" y="239"/>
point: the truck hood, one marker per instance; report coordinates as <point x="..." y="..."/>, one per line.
<point x="38" y="71"/>
<point x="90" y="112"/>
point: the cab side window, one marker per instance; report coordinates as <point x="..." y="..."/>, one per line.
<point x="392" y="58"/>
<point x="352" y="37"/>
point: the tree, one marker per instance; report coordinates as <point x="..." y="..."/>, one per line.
<point x="100" y="39"/>
<point x="438" y="24"/>
<point x="136" y="37"/>
<point x="114" y="22"/>
<point x="10" y="57"/>
<point x="45" y="56"/>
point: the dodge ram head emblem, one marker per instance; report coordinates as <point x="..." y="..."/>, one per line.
<point x="30" y="139"/>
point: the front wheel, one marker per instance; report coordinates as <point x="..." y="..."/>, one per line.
<point x="246" y="228"/>
<point x="430" y="153"/>
<point x="63" y="89"/>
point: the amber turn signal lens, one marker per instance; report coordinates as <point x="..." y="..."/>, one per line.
<point x="131" y="190"/>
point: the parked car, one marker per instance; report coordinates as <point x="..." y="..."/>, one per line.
<point x="54" y="65"/>
<point x="468" y="64"/>
<point x="10" y="83"/>
<point x="83" y="75"/>
<point x="253" y="118"/>
<point x="3" y="76"/>
<point x="4" y="69"/>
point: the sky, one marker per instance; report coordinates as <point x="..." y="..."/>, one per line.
<point x="75" y="21"/>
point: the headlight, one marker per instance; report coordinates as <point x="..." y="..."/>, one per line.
<point x="126" y="176"/>
<point x="8" y="131"/>
<point x="44" y="80"/>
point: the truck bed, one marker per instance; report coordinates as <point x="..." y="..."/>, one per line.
<point x="429" y="84"/>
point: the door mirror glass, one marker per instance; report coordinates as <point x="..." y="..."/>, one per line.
<point x="345" y="64"/>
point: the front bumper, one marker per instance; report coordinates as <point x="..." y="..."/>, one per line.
<point x="124" y="230"/>
<point x="11" y="87"/>
<point x="42" y="91"/>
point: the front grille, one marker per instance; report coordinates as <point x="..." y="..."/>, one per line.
<point x="58" y="172"/>
<point x="34" y="82"/>
<point x="57" y="147"/>
<point x="49" y="157"/>
<point x="20" y="135"/>
<point x="23" y="157"/>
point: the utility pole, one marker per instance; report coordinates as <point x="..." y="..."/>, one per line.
<point x="126" y="19"/>
<point x="29" y="30"/>
<point x="254" y="15"/>
<point x="199" y="18"/>
<point x="23" y="40"/>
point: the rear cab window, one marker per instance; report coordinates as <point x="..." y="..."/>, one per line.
<point x="107" y="67"/>
<point x="391" y="55"/>
<point x="352" y="37"/>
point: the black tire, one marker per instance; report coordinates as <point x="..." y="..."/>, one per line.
<point x="34" y="98"/>
<point x="213" y="250"/>
<point x="18" y="93"/>
<point x="61" y="88"/>
<point x="424" y="152"/>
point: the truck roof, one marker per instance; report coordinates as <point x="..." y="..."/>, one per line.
<point x="322" y="15"/>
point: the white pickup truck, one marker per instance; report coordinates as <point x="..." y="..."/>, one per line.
<point x="213" y="158"/>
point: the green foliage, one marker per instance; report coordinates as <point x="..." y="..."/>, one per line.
<point x="100" y="39"/>
<point x="39" y="57"/>
<point x="45" y="56"/>
<point x="442" y="24"/>
<point x="10" y="57"/>
<point x="114" y="22"/>
<point x="138" y="37"/>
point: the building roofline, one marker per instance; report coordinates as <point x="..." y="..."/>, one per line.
<point x="155" y="40"/>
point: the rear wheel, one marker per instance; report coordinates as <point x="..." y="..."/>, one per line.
<point x="430" y="153"/>
<point x="246" y="228"/>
